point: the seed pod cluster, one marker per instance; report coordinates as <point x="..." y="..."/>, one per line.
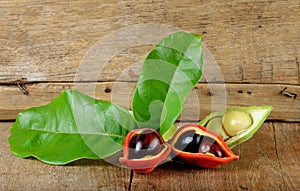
<point x="200" y="144"/>
<point x="144" y="149"/>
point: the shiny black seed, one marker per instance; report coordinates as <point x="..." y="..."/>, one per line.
<point x="144" y="144"/>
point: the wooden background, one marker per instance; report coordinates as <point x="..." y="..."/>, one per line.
<point x="255" y="44"/>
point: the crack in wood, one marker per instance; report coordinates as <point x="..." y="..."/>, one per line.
<point x="130" y="181"/>
<point x="298" y="66"/>
<point x="277" y="156"/>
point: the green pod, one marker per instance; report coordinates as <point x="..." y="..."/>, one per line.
<point x="236" y="125"/>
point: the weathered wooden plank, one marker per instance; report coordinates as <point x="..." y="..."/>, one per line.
<point x="47" y="41"/>
<point x="288" y="153"/>
<point x="204" y="99"/>
<point x="268" y="161"/>
<point x="257" y="169"/>
<point x="31" y="174"/>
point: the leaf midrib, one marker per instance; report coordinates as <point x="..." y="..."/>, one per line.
<point x="74" y="133"/>
<point x="172" y="79"/>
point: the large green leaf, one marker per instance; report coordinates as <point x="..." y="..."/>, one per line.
<point x="169" y="73"/>
<point x="71" y="127"/>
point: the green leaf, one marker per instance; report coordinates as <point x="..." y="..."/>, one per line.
<point x="71" y="127"/>
<point x="169" y="133"/>
<point x="169" y="73"/>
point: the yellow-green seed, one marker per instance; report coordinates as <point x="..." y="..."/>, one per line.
<point x="216" y="126"/>
<point x="236" y="121"/>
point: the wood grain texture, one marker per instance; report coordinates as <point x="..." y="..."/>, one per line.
<point x="251" y="41"/>
<point x="31" y="174"/>
<point x="288" y="153"/>
<point x="268" y="161"/>
<point x="253" y="46"/>
<point x="204" y="99"/>
<point x="257" y="169"/>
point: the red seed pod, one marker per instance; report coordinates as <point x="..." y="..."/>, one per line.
<point x="194" y="144"/>
<point x="144" y="149"/>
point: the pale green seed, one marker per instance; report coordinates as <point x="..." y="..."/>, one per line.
<point x="236" y="121"/>
<point x="216" y="126"/>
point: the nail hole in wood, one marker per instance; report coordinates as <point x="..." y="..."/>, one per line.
<point x="107" y="90"/>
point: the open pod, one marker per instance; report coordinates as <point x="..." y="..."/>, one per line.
<point x="194" y="144"/>
<point x="236" y="125"/>
<point x="144" y="149"/>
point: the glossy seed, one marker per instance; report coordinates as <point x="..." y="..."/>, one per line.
<point x="204" y="148"/>
<point x="195" y="143"/>
<point x="144" y="149"/>
<point x="144" y="145"/>
<point x="236" y="121"/>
